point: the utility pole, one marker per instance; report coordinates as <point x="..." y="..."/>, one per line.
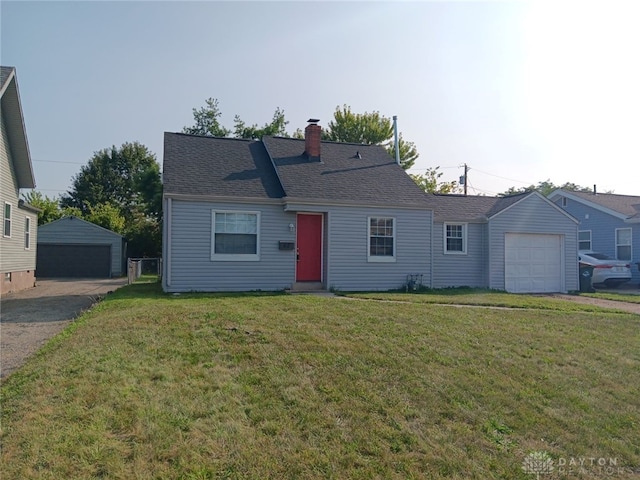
<point x="463" y="179"/>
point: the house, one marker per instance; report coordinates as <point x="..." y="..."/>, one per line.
<point x="284" y="213"/>
<point x="72" y="247"/>
<point x="520" y="243"/>
<point x="20" y="220"/>
<point x="609" y="223"/>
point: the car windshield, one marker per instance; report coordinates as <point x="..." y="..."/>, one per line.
<point x="599" y="256"/>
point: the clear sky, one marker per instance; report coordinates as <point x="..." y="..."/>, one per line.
<point x="520" y="91"/>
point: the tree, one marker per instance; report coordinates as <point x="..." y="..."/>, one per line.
<point x="430" y="182"/>
<point x="207" y="121"/>
<point x="121" y="182"/>
<point x="545" y="188"/>
<point x="407" y="150"/>
<point x="107" y="216"/>
<point x="49" y="207"/>
<point x="346" y="126"/>
<point x="277" y="127"/>
<point x="369" y="128"/>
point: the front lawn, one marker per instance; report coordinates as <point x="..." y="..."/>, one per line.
<point x="147" y="385"/>
<point x="494" y="298"/>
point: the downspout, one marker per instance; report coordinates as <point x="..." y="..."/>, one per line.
<point x="395" y="138"/>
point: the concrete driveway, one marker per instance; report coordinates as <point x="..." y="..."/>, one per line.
<point x="28" y="319"/>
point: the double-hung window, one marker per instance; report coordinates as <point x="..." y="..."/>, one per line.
<point x="455" y="238"/>
<point x="584" y="240"/>
<point x="381" y="239"/>
<point x="235" y="236"/>
<point x="623" y="243"/>
<point x="27" y="233"/>
<point x="7" y="220"/>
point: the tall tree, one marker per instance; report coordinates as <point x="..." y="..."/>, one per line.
<point x="49" y="207"/>
<point x="407" y="152"/>
<point x="207" y="121"/>
<point x="369" y="128"/>
<point x="107" y="216"/>
<point x="128" y="180"/>
<point x="430" y="182"/>
<point x="277" y="127"/>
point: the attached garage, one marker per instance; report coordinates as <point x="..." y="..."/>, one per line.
<point x="533" y="263"/>
<point x="71" y="247"/>
<point x="533" y="247"/>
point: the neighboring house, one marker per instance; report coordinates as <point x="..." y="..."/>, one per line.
<point x="609" y="223"/>
<point x="72" y="247"/>
<point x="20" y="220"/>
<point x="521" y="243"/>
<point x="285" y="213"/>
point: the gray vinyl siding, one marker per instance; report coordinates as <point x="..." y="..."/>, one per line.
<point x="13" y="255"/>
<point x="74" y="231"/>
<point x="348" y="268"/>
<point x="532" y="215"/>
<point x="603" y="231"/>
<point x="188" y="265"/>
<point x="461" y="270"/>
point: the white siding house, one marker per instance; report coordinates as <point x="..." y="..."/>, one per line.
<point x="18" y="240"/>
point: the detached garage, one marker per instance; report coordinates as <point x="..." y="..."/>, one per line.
<point x="71" y="247"/>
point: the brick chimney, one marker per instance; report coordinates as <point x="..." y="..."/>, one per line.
<point x="312" y="136"/>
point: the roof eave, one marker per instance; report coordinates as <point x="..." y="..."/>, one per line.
<point x="17" y="133"/>
<point x="588" y="203"/>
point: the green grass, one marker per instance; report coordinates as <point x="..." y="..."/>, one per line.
<point x="147" y="385"/>
<point x="479" y="297"/>
<point x="619" y="297"/>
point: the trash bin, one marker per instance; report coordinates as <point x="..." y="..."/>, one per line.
<point x="586" y="272"/>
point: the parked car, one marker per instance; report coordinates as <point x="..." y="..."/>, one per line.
<point x="606" y="270"/>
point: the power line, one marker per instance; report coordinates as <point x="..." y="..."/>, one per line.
<point x="504" y="178"/>
<point x="57" y="161"/>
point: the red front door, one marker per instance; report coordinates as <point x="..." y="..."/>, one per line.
<point x="309" y="248"/>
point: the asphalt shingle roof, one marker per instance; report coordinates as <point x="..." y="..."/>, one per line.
<point x="4" y="75"/>
<point x="372" y="177"/>
<point x="197" y="165"/>
<point x="469" y="208"/>
<point x="628" y="205"/>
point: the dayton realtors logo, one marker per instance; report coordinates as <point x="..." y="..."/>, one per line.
<point x="538" y="463"/>
<point x="541" y="463"/>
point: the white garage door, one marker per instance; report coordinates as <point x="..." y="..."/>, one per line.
<point x="533" y="263"/>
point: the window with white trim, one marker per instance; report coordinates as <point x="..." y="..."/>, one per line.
<point x="7" y="220"/>
<point x="27" y="233"/>
<point x="381" y="239"/>
<point x="584" y="240"/>
<point x="235" y="236"/>
<point x="455" y="238"/>
<point x="623" y="243"/>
